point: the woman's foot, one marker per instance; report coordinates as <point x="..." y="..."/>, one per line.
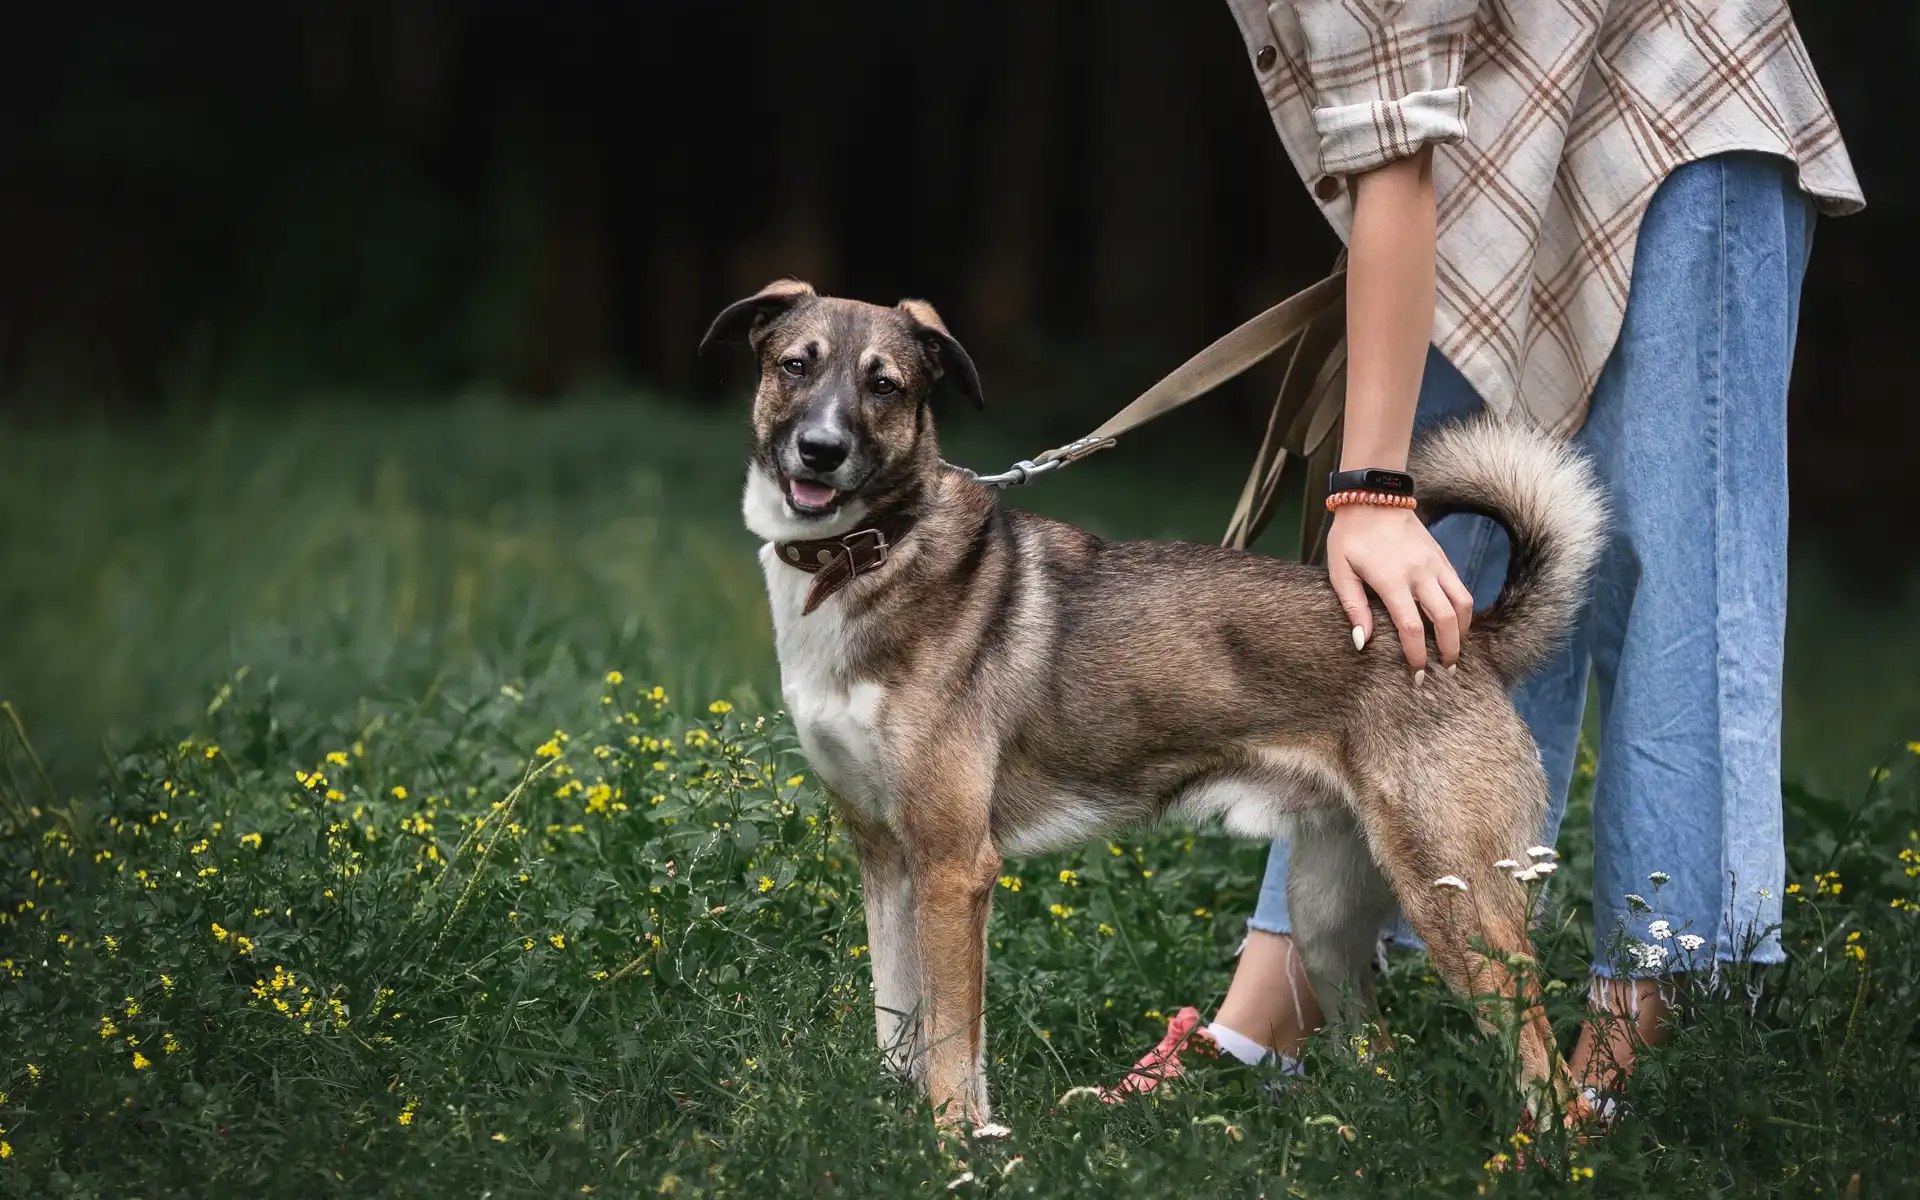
<point x="1270" y="999"/>
<point x="1269" y="1011"/>
<point x="1626" y="1016"/>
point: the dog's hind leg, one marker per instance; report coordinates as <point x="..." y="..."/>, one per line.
<point x="1476" y="938"/>
<point x="1338" y="900"/>
<point x="893" y="945"/>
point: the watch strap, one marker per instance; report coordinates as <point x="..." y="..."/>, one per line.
<point x="1371" y="479"/>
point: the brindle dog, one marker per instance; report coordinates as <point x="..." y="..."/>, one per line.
<point x="972" y="681"/>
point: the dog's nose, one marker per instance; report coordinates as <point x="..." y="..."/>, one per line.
<point x="822" y="449"/>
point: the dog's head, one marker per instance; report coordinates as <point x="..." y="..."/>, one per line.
<point x="841" y="425"/>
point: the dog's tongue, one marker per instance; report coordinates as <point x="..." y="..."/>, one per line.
<point x="808" y="494"/>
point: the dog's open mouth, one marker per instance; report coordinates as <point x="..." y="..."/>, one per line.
<point x="813" y="498"/>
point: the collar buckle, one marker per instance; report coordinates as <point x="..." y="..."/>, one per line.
<point x="878" y="545"/>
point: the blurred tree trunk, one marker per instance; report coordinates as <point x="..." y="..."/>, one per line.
<point x="1148" y="173"/>
<point x="572" y="288"/>
<point x="1001" y="294"/>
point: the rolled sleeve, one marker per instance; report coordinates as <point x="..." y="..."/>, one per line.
<point x="1385" y="77"/>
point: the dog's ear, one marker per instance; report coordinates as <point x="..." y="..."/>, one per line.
<point x="745" y="320"/>
<point x="948" y="356"/>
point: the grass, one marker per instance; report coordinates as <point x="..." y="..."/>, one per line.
<point x="336" y="910"/>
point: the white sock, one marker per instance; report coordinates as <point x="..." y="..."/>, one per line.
<point x="1238" y="1044"/>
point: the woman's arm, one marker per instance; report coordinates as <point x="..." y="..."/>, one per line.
<point x="1390" y="281"/>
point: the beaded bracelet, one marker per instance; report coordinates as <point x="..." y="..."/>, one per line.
<point x="1380" y="499"/>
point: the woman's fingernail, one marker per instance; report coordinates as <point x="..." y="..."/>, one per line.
<point x="1452" y="667"/>
<point x="1359" y="638"/>
<point x="1420" y="677"/>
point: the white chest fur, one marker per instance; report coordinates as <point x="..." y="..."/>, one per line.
<point x="836" y="716"/>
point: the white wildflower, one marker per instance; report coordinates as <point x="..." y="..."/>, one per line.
<point x="1527" y="874"/>
<point x="1638" y="903"/>
<point x="1506" y="864"/>
<point x="1076" y="1093"/>
<point x="1542" y="852"/>
<point x="1657" y="878"/>
<point x="1660" y="930"/>
<point x="1690" y="942"/>
<point x="991" y="1132"/>
<point x="1544" y="868"/>
<point x="959" y="1181"/>
<point x="1649" y="956"/>
<point x="1013" y="1162"/>
<point x="1451" y="881"/>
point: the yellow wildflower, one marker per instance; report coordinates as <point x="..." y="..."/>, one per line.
<point x="1060" y="910"/>
<point x="250" y="839"/>
<point x="399" y="793"/>
<point x="720" y="707"/>
<point x="169" y="1043"/>
<point x="499" y="1137"/>
<point x="1070" y="878"/>
<point x="796" y="781"/>
<point x="140" y="1061"/>
<point x="616" y="678"/>
<point x="219" y="933"/>
<point x="559" y="940"/>
<point x="337" y="757"/>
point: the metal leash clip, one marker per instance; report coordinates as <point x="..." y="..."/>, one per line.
<point x="1027" y="469"/>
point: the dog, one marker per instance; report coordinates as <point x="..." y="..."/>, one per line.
<point x="969" y="681"/>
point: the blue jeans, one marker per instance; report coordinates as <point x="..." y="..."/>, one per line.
<point x="1685" y="630"/>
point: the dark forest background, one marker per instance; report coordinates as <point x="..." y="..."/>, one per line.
<point x="250" y="203"/>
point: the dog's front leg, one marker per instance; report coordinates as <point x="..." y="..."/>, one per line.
<point x="893" y="946"/>
<point x="953" y="879"/>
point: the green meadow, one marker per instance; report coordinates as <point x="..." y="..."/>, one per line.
<point x="394" y="800"/>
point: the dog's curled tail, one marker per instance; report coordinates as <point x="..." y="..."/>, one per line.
<point x="1555" y="513"/>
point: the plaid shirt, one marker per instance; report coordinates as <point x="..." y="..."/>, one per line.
<point x="1579" y="108"/>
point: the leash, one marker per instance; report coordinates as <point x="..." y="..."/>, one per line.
<point x="1253" y="341"/>
<point x="1305" y="415"/>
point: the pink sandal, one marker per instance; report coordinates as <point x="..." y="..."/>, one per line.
<point x="1185" y="1032"/>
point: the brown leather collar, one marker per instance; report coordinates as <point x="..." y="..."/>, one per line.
<point x="836" y="562"/>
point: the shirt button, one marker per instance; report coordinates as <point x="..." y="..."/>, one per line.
<point x="1327" y="188"/>
<point x="1265" y="59"/>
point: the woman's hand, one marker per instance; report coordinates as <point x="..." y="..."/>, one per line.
<point x="1390" y="551"/>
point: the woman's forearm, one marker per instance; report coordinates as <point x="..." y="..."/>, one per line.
<point x="1389" y="309"/>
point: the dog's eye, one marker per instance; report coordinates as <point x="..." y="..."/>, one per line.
<point x="796" y="367"/>
<point x="884" y="386"/>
